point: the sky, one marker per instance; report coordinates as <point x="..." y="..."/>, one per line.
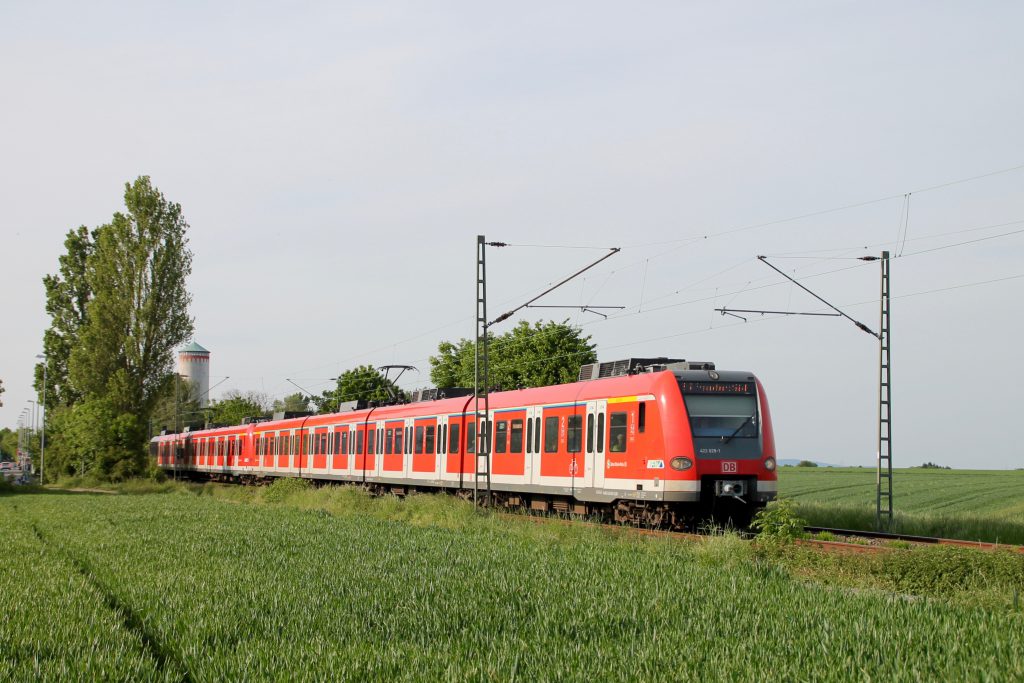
<point x="337" y="160"/>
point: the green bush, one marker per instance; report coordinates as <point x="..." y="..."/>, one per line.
<point x="284" y="488"/>
<point x="778" y="522"/>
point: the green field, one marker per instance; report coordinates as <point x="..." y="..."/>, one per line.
<point x="984" y="505"/>
<point x="208" y="583"/>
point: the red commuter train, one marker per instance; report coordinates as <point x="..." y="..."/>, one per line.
<point x="659" y="443"/>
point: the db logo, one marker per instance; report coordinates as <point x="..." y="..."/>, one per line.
<point x="729" y="467"/>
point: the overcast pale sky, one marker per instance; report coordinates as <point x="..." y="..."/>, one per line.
<point x="336" y="161"/>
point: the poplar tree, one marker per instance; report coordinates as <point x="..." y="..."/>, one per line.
<point x="137" y="316"/>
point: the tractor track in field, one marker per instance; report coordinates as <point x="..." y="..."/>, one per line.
<point x="129" y="617"/>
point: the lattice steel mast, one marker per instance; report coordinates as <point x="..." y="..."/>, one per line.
<point x="883" y="499"/>
<point x="481" y="381"/>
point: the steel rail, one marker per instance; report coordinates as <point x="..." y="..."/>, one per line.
<point x="911" y="538"/>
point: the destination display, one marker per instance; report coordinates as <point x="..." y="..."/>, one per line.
<point x="732" y="388"/>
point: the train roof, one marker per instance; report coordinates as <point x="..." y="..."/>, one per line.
<point x="641" y="384"/>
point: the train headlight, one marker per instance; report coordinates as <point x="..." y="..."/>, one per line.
<point x="680" y="463"/>
<point x="769" y="464"/>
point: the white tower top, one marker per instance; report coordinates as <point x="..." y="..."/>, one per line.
<point x="194" y="365"/>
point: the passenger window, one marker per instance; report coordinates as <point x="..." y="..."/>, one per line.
<point x="398" y="440"/>
<point x="551" y="434"/>
<point x="471" y="437"/>
<point x="536" y="435"/>
<point x="501" y="436"/>
<point x="419" y="440"/>
<point x="617" y="435"/>
<point x="590" y="433"/>
<point x="453" y="440"/>
<point x="515" y="444"/>
<point x="389" y="439"/>
<point x="574" y="436"/>
<point x="344" y="442"/>
<point x="359" y="442"/>
<point x="429" y="446"/>
<point x="600" y="433"/>
<point x="529" y="435"/>
<point x="369" y="440"/>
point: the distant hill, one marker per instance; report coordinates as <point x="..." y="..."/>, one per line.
<point x="792" y="462"/>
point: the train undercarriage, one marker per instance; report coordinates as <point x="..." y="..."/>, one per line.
<point x="712" y="509"/>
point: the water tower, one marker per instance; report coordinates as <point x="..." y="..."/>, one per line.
<point x="194" y="365"/>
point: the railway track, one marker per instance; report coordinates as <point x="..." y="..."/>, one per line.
<point x="908" y="538"/>
<point x="829" y="546"/>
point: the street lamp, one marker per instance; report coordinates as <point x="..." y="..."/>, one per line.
<point x="22" y="433"/>
<point x="42" y="438"/>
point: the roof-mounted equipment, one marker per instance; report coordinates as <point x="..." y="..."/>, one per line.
<point x="633" y="366"/>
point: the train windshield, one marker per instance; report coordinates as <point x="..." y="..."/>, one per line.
<point x="728" y="417"/>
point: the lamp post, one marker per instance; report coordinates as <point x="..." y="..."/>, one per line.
<point x="22" y="434"/>
<point x="42" y="438"/>
<point x="32" y="432"/>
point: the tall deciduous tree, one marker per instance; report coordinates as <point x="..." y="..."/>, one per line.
<point x="67" y="298"/>
<point x="525" y="356"/>
<point x="137" y="316"/>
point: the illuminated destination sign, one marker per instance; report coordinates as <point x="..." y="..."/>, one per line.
<point x="740" y="388"/>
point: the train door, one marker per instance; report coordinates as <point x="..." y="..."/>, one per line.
<point x="357" y="448"/>
<point x="441" y="445"/>
<point x="454" y="449"/>
<point x="532" y="443"/>
<point x="339" y="459"/>
<point x="369" y="446"/>
<point x="350" y="446"/>
<point x="410" y="438"/>
<point x="394" y="447"/>
<point x="576" y="446"/>
<point x="319" y="453"/>
<point x="424" y="451"/>
<point x="595" y="437"/>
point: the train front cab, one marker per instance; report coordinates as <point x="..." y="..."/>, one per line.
<point x="733" y="444"/>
